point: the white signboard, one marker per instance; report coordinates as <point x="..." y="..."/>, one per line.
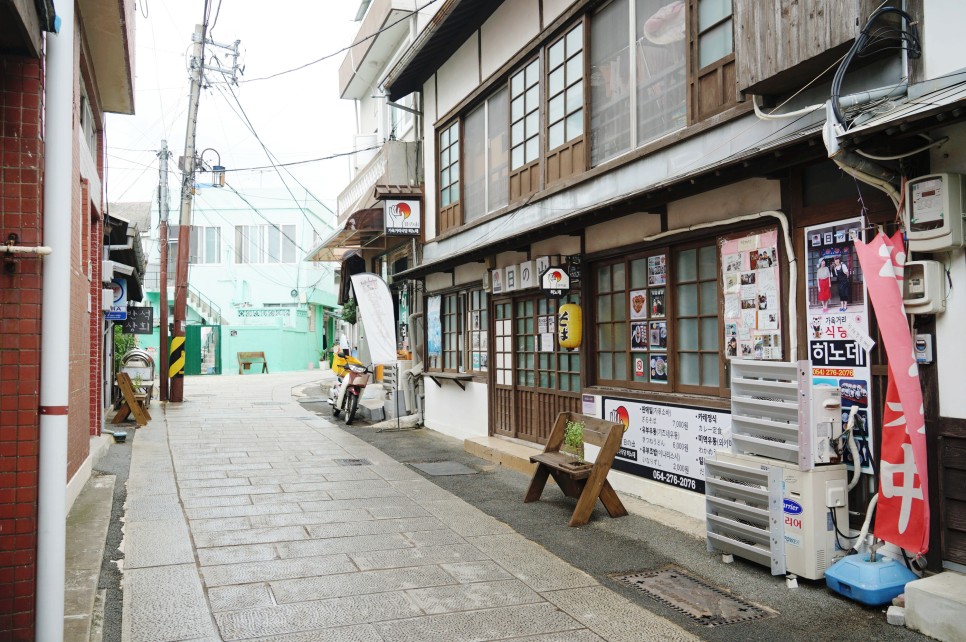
<point x="528" y="277"/>
<point x="403" y="217"/>
<point x="510" y="278"/>
<point x="667" y="443"/>
<point x="118" y="310"/>
<point x="378" y="316"/>
<point x="496" y="280"/>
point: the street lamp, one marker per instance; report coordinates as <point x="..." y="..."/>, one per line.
<point x="217" y="170"/>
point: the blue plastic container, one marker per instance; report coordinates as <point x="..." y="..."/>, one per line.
<point x="869" y="582"/>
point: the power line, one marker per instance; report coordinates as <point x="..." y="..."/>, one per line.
<point x="336" y="53"/>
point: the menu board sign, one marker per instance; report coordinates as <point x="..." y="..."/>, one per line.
<point x="667" y="443"/>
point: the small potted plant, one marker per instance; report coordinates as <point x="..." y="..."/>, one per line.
<point x="324" y="357"/>
<point x="574" y="439"/>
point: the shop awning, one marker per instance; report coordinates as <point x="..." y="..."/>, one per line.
<point x="930" y="104"/>
<point x="365" y="229"/>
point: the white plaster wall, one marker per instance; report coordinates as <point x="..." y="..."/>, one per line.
<point x="438" y="281"/>
<point x="553" y="8"/>
<point x="469" y="273"/>
<point x="506" y="32"/>
<point x="746" y="197"/>
<point x="621" y="231"/>
<point x="949" y="347"/>
<point x="430" y="115"/>
<point x="458" y="76"/>
<point x="510" y="258"/>
<point x="556" y="246"/>
<point x="370" y="114"/>
<point x="455" y="412"/>
<point x="941" y="40"/>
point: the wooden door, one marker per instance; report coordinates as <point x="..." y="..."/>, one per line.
<point x="534" y="379"/>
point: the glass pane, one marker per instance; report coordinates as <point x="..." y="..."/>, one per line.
<point x="516" y="132"/>
<point x="687" y="299"/>
<point x="497" y="152"/>
<point x="603" y="279"/>
<point x="564" y="361"/>
<point x="532" y="99"/>
<point x="638" y="273"/>
<point x="620" y="306"/>
<point x="533" y="122"/>
<point x="575" y="40"/>
<point x="575" y="124"/>
<point x="454" y="192"/>
<point x="620" y="336"/>
<point x="620" y="366"/>
<point x="516" y="85"/>
<point x="474" y="168"/>
<point x="688" y="369"/>
<point x="517" y="157"/>
<point x="556" y="54"/>
<point x="604" y="341"/>
<point x="609" y="77"/>
<point x="516" y="109"/>
<point x="603" y="308"/>
<point x="444" y="138"/>
<point x="444" y="198"/>
<point x="575" y="69"/>
<point x="661" y="76"/>
<point x="687" y="334"/>
<point x="709" y="370"/>
<point x="715" y="44"/>
<point x="707" y="262"/>
<point x="555" y="137"/>
<point x="533" y="73"/>
<point x="565" y="383"/>
<point x="709" y="334"/>
<point x="444" y="176"/>
<point x="711" y="11"/>
<point x="684" y="266"/>
<point x="575" y="96"/>
<point x="533" y="149"/>
<point x="605" y="365"/>
<point x="544" y="380"/>
<point x="709" y="297"/>
<point x="555" y="83"/>
<point x="555" y="109"/>
<point x="619" y="283"/>
<point x="454" y="133"/>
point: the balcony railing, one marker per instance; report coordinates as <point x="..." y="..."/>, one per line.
<point x="394" y="164"/>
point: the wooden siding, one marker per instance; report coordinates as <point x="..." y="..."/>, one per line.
<point x="952" y="476"/>
<point x="778" y="44"/>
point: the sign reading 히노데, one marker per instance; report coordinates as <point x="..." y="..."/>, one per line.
<point x="665" y="443"/>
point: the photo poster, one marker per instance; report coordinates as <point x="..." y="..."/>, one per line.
<point x="752" y="296"/>
<point x="837" y="317"/>
<point x="434" y="328"/>
<point x="667" y="443"/>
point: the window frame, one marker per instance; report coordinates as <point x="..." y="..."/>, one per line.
<point x="450" y="214"/>
<point x="198" y="244"/>
<point x="716" y="73"/>
<point x="456" y="347"/>
<point x="257" y="238"/>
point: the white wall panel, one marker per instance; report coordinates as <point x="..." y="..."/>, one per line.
<point x="458" y="76"/>
<point x="747" y="197"/>
<point x="553" y="8"/>
<point x="620" y="232"/>
<point x="942" y="49"/>
<point x="430" y="115"/>
<point x="458" y="413"/>
<point x="505" y="33"/>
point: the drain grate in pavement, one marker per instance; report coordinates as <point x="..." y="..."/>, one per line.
<point x="266" y="403"/>
<point x="694" y="597"/>
<point x="443" y="468"/>
<point x="352" y="462"/>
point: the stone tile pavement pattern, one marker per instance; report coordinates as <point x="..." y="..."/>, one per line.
<point x="244" y="523"/>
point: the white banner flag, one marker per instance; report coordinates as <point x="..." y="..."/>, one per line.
<point x="378" y="319"/>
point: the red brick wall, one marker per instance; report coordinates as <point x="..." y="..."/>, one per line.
<point x="21" y="191"/>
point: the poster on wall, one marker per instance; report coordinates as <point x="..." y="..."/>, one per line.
<point x="752" y="296"/>
<point x="838" y="323"/>
<point x="434" y="328"/>
<point x="667" y="443"/>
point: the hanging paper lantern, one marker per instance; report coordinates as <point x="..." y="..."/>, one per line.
<point x="569" y="326"/>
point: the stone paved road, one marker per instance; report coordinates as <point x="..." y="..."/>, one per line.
<point x="249" y="518"/>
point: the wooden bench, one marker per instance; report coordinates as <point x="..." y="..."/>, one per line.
<point x="134" y="401"/>
<point x="579" y="479"/>
<point x="247" y="359"/>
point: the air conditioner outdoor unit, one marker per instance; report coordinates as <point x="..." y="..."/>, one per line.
<point x="772" y="513"/>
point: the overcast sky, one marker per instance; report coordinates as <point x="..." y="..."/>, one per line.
<point x="298" y="115"/>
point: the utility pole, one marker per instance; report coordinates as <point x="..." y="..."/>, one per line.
<point x="175" y="370"/>
<point x="176" y="364"/>
<point x="164" y="155"/>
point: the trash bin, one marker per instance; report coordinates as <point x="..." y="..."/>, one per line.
<point x="139" y="364"/>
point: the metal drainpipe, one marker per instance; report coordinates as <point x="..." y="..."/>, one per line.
<point x="55" y="328"/>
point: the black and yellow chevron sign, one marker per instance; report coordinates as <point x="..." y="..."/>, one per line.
<point x="176" y="358"/>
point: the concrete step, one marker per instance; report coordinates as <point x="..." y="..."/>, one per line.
<point x="935" y="606"/>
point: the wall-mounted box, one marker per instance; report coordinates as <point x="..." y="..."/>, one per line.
<point x="924" y="287"/>
<point x="934" y="212"/>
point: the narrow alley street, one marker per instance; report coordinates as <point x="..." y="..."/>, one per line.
<point x="250" y="516"/>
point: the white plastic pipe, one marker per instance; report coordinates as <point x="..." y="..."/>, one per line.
<point x="25" y="249"/>
<point x="55" y="328"/>
<point x="792" y="267"/>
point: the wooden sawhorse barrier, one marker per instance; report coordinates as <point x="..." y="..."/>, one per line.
<point x="580" y="479"/>
<point x="247" y="359"/>
<point x="134" y="402"/>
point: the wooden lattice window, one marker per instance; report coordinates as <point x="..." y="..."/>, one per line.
<point x="449" y="177"/>
<point x="525" y="131"/>
<point x="566" y="150"/>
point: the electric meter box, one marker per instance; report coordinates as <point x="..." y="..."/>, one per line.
<point x="924" y="287"/>
<point x="934" y="212"/>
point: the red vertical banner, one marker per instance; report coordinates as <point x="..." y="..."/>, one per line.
<point x="902" y="513"/>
